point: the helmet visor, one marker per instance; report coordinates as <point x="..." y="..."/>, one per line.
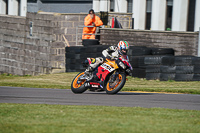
<point x="124" y="51"/>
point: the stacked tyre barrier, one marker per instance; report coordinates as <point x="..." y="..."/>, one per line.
<point x="178" y="68"/>
<point x="146" y="61"/>
<point x="136" y="56"/>
<point x="76" y="55"/>
<point x="149" y="63"/>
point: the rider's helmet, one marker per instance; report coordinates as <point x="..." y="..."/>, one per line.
<point x="123" y="47"/>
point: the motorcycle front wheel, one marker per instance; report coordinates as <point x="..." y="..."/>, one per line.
<point x="77" y="85"/>
<point x="113" y="87"/>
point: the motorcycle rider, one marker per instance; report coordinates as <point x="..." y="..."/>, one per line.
<point x="113" y="52"/>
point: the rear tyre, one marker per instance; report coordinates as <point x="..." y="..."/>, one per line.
<point x="115" y="86"/>
<point x="77" y="86"/>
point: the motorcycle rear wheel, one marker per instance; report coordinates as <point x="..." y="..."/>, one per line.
<point x="113" y="88"/>
<point x="78" y="87"/>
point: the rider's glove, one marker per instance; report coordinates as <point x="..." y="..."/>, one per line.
<point x="111" y="57"/>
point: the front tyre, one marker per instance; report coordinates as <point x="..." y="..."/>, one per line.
<point x="77" y="85"/>
<point x="113" y="87"/>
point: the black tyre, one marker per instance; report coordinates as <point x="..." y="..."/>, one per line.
<point x="183" y="77"/>
<point x="102" y="47"/>
<point x="88" y="42"/>
<point x="196" y="77"/>
<point x="183" y="60"/>
<point x="153" y="69"/>
<point x="197" y="69"/>
<point x="138" y="51"/>
<point x="162" y="51"/>
<point x="78" y="87"/>
<point x="139" y="73"/>
<point x="134" y="60"/>
<point x="70" y="55"/>
<point x="117" y="85"/>
<point x="185" y="69"/>
<point x="168" y="69"/>
<point x="153" y="60"/>
<point x="168" y="60"/>
<point x="91" y="49"/>
<point x="196" y="61"/>
<point x="152" y="76"/>
<point x="167" y="76"/>
<point x="141" y="62"/>
<point x="68" y="69"/>
<point x="75" y="49"/>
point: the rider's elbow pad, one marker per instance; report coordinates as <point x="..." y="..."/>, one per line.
<point x="105" y="53"/>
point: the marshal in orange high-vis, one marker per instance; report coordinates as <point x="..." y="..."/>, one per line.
<point x="91" y="20"/>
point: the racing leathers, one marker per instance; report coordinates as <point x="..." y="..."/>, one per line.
<point x="111" y="53"/>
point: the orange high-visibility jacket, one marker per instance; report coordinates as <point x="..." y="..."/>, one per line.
<point x="90" y="30"/>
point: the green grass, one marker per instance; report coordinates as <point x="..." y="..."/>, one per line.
<point x="42" y="118"/>
<point x="136" y="84"/>
<point x="56" y="81"/>
<point x="63" y="81"/>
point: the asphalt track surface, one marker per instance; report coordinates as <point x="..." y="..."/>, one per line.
<point x="127" y="99"/>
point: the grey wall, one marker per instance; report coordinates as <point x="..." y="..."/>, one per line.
<point x="184" y="43"/>
<point x="22" y="54"/>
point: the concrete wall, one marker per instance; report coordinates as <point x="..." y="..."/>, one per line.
<point x="20" y="53"/>
<point x="65" y="33"/>
<point x="184" y="43"/>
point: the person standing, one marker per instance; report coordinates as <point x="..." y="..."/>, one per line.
<point x="91" y="20"/>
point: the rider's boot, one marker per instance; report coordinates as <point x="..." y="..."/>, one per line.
<point x="89" y="71"/>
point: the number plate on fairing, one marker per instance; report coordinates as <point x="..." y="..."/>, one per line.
<point x="107" y="67"/>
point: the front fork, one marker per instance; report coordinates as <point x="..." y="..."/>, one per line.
<point x="81" y="78"/>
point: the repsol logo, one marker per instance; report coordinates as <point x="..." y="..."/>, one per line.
<point x="107" y="67"/>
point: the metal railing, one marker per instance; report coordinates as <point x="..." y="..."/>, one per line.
<point x="82" y="26"/>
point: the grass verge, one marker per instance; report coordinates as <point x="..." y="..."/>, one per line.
<point x="63" y="81"/>
<point x="37" y="118"/>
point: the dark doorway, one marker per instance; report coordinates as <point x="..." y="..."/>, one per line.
<point x="148" y="14"/>
<point x="169" y="15"/>
<point x="191" y="15"/>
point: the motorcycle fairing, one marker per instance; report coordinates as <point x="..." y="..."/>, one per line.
<point x="126" y="62"/>
<point x="91" y="84"/>
<point x="102" y="73"/>
<point x="106" y="68"/>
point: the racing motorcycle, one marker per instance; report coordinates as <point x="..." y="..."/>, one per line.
<point x="109" y="76"/>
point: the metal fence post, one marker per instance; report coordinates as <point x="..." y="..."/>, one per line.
<point x="199" y="44"/>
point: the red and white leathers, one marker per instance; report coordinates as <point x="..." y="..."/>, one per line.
<point x="111" y="53"/>
<point x="94" y="62"/>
